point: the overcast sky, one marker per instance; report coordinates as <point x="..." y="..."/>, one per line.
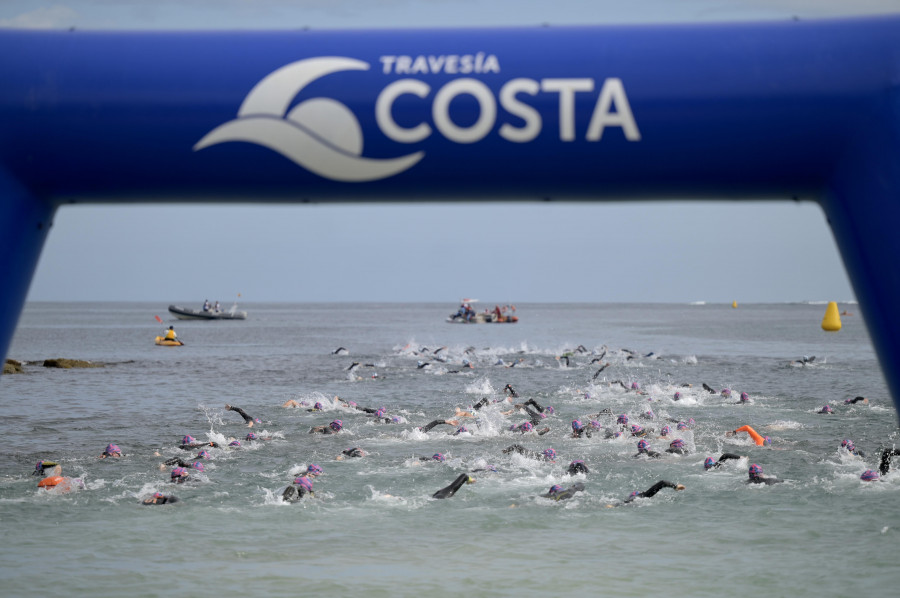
<point x="516" y="252"/>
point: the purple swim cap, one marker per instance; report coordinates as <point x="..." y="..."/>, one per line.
<point x="305" y="482"/>
<point x="677" y="443"/>
<point x="314" y="469"/>
<point x="665" y="431"/>
<point x="636" y="429"/>
<point x="461" y="430"/>
<point x="643" y="445"/>
<point x="595" y="424"/>
<point x="577" y="425"/>
<point x="826" y="409"/>
<point x="39" y="466"/>
<point x="112" y="449"/>
<point x="869" y="475"/>
<point x="158" y="495"/>
<point x="395" y="419"/>
<point x="257" y="420"/>
<point x="380" y="412"/>
<point x="179" y="472"/>
<point x="198" y="466"/>
<point x="709" y="463"/>
<point x="318" y="406"/>
<point x="549" y="409"/>
<point x="726" y="392"/>
<point x="234" y="443"/>
<point x="622" y="419"/>
<point x="846" y="442"/>
<point x="690" y="421"/>
<point x="188" y="440"/>
<point x="438" y="457"/>
<point x="681" y="426"/>
<point x="525" y="427"/>
<point x="251" y="436"/>
<point x="755" y="471"/>
<point x="649" y="414"/>
<point x="635" y="386"/>
<point x="677" y="396"/>
<point x="203" y="455"/>
<point x="549" y="454"/>
<point x="744" y="397"/>
<point x="767" y="441"/>
<point x="555" y="488"/>
<point x="337" y="425"/>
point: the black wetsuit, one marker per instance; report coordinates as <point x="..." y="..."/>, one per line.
<point x="484" y="401"/>
<point x="524" y="451"/>
<point x="649" y="453"/>
<point x="768" y="481"/>
<point x="353" y="452"/>
<point x="887" y="456"/>
<point x="162" y="500"/>
<point x="450" y="490"/>
<point x="512" y="391"/>
<point x="323" y="430"/>
<point x="295" y="492"/>
<point x="565" y="494"/>
<point x="534" y="416"/>
<point x="178" y="461"/>
<point x="726" y="457"/>
<point x="241" y="412"/>
<point x="576" y="467"/>
<point x="855" y="400"/>
<point x="187" y="447"/>
<point x="707" y="388"/>
<point x="436" y="422"/>
<point x="580" y="433"/>
<point x="650" y="492"/>
<point x="677" y="450"/>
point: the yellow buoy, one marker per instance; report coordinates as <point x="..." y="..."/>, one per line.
<point x="832" y="320"/>
<point x="734" y="304"/>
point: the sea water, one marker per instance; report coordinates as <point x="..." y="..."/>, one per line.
<point x="373" y="527"/>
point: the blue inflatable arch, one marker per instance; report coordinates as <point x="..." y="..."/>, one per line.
<point x="780" y="110"/>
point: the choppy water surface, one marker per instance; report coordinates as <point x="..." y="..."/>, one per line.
<point x="373" y="526"/>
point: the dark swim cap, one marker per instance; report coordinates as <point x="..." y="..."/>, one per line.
<point x="744" y="397"/>
<point x="318" y="406"/>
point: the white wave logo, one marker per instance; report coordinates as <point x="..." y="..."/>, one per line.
<point x="319" y="134"/>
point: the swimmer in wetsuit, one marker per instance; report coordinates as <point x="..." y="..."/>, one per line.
<point x="354" y="452"/>
<point x="301" y="487"/>
<point x="247" y="419"/>
<point x="461" y="480"/>
<point x="47" y="467"/>
<point x="887" y="455"/>
<point x="856" y="400"/>
<point x="332" y="428"/>
<point x="189" y="442"/>
<point x="755" y="476"/>
<point x="676" y="447"/>
<point x="557" y="493"/>
<point x="652" y="490"/>
<point x="577" y="466"/>
<point x="711" y="463"/>
<point x="111" y="450"/>
<point x="545" y="455"/>
<point x="438" y="422"/>
<point x="159" y="498"/>
<point x="579" y="430"/>
<point x="644" y="449"/>
<point x="510" y="391"/>
<point x="851" y="448"/>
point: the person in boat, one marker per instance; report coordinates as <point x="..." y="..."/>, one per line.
<point x="159" y="498"/>
<point x="247" y="419"/>
<point x="332" y="428"/>
<point x="111" y="450"/>
<point x="206" y="305"/>
<point x="217" y="309"/>
<point x="557" y="492"/>
<point x="170" y="335"/>
<point x="755" y="476"/>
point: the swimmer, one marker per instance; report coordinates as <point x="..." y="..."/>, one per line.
<point x="557" y="493"/>
<point x="42" y="467"/>
<point x="301" y="487"/>
<point x="851" y="448"/>
<point x="438" y="422"/>
<point x="676" y="396"/>
<point x="577" y="466"/>
<point x="652" y="490"/>
<point x="644" y="449"/>
<point x="805" y="360"/>
<point x="463" y="413"/>
<point x="439" y="457"/>
<point x="600" y="371"/>
<point x="887" y="455"/>
<point x="198" y="465"/>
<point x="545" y="455"/>
<point x="676" y="447"/>
<point x="247" y="419"/>
<point x="579" y="430"/>
<point x="354" y="453"/>
<point x="708" y="388"/>
<point x="318" y="406"/>
<point x="870" y="475"/>
<point x="637" y="430"/>
<point x="332" y="428"/>
<point x="484" y="401"/>
<point x="856" y="400"/>
<point x="189" y="442"/>
<point x="111" y="450"/>
<point x="180" y="475"/>
<point x="759" y="440"/>
<point x="745" y="398"/>
<point x="726" y="393"/>
<point x="755" y="476"/>
<point x="648" y="415"/>
<point x="510" y="391"/>
<point x="159" y="498"/>
<point x="461" y="480"/>
<point x="340" y="351"/>
<point x="294" y="403"/>
<point x="826" y="409"/>
<point x="666" y="430"/>
<point x="711" y="463"/>
<point x="522" y="428"/>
